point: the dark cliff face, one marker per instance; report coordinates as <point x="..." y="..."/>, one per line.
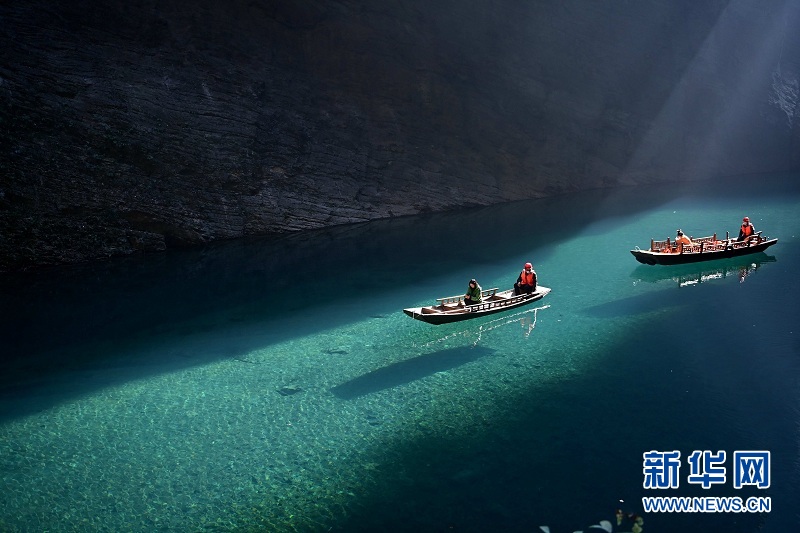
<point x="136" y="126"/>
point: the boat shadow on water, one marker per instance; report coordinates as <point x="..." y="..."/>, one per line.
<point x="410" y="370"/>
<point x="683" y="276"/>
<point x="693" y="273"/>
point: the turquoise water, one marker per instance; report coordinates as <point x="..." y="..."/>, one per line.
<point x="276" y="384"/>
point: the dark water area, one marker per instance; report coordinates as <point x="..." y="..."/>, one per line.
<point x="275" y="384"/>
<point x="65" y="317"/>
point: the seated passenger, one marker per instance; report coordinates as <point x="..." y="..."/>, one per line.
<point x="747" y="230"/>
<point x="473" y="296"/>
<point x="682" y="240"/>
<point x="526" y="281"/>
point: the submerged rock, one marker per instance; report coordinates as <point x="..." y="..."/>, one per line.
<point x="373" y="419"/>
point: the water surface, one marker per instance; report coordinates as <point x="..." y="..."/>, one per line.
<point x="275" y="384"/>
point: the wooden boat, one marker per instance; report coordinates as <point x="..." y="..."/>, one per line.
<point x="452" y="309"/>
<point x="702" y="249"/>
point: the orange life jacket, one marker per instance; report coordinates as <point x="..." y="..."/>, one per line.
<point x="526" y="278"/>
<point x="747" y="229"/>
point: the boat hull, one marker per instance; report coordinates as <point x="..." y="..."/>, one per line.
<point x="658" y="258"/>
<point x="502" y="301"/>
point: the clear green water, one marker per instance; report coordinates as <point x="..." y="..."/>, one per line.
<point x="276" y="384"/>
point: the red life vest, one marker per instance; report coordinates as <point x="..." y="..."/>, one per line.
<point x="747" y="229"/>
<point x="527" y="278"/>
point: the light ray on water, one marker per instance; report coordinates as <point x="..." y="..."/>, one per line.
<point x="351" y="416"/>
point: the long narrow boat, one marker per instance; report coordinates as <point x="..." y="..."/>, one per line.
<point x="702" y="249"/>
<point x="452" y="308"/>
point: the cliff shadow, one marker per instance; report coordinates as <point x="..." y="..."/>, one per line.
<point x="89" y="317"/>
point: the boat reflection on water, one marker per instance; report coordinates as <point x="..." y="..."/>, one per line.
<point x="694" y="273"/>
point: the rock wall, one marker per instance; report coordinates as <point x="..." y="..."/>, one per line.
<point x="142" y="125"/>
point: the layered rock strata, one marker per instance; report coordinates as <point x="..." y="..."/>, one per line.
<point x="142" y="125"/>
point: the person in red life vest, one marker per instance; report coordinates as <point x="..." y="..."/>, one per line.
<point x="682" y="240"/>
<point x="526" y="282"/>
<point x="747" y="230"/>
<point x="473" y="296"/>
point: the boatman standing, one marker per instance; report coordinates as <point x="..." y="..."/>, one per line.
<point x="747" y="230"/>
<point x="526" y="282"/>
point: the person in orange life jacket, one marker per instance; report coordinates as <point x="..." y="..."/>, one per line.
<point x="682" y="239"/>
<point x="526" y="282"/>
<point x="473" y="296"/>
<point x="747" y="230"/>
